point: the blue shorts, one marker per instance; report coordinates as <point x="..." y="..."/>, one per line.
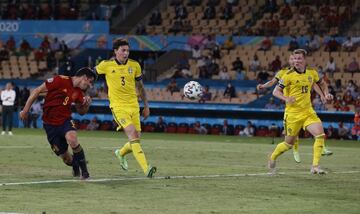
<point x="56" y="136"/>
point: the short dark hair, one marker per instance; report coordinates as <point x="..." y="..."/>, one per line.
<point x="88" y="72"/>
<point x="119" y="42"/>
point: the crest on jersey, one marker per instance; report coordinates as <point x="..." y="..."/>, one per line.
<point x="50" y="80"/>
<point x="122" y="121"/>
<point x="310" y="79"/>
<point x="130" y="70"/>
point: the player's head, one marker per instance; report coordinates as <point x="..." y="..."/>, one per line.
<point x="121" y="49"/>
<point x="87" y="77"/>
<point x="291" y="60"/>
<point x="299" y="58"/>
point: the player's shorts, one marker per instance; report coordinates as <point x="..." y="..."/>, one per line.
<point x="127" y="116"/>
<point x="56" y="136"/>
<point x="293" y="122"/>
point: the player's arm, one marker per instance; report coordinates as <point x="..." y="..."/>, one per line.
<point x="278" y="92"/>
<point x="141" y="89"/>
<point x="33" y="96"/>
<point x="323" y="87"/>
<point x="268" y="84"/>
<point x="83" y="108"/>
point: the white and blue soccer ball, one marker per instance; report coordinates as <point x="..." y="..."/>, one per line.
<point x="193" y="90"/>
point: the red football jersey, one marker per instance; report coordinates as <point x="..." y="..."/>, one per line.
<point x="61" y="94"/>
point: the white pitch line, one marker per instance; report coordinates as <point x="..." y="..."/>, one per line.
<point x="99" y="180"/>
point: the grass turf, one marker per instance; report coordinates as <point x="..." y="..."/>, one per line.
<point x="26" y="156"/>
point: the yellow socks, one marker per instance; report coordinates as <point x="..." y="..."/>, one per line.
<point x="296" y="145"/>
<point x="139" y="154"/>
<point x="280" y="148"/>
<point x="318" y="147"/>
<point x="126" y="149"/>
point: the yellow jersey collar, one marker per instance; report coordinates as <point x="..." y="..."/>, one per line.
<point x="119" y="63"/>
<point x="299" y="72"/>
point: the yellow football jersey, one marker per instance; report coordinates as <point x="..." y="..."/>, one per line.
<point x="279" y="75"/>
<point x="281" y="72"/>
<point x="299" y="85"/>
<point x="121" y="79"/>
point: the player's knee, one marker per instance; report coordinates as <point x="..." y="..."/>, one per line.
<point x="71" y="138"/>
<point x="132" y="134"/>
<point x="320" y="136"/>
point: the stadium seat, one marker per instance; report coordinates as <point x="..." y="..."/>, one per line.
<point x="171" y="128"/>
<point x="216" y="129"/>
<point x="191" y="129"/>
<point x="262" y="131"/>
<point x="149" y="127"/>
<point x="208" y="127"/>
<point x="105" y="125"/>
<point x="238" y="128"/>
<point x="183" y="128"/>
<point x="83" y="124"/>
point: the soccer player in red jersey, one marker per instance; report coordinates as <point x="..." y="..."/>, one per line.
<point x="61" y="92"/>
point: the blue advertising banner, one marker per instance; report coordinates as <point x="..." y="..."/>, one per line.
<point x="71" y="26"/>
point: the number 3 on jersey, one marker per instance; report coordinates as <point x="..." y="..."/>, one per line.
<point x="123" y="81"/>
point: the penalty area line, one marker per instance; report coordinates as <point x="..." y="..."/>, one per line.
<point x="103" y="180"/>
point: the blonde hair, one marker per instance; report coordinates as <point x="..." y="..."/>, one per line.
<point x="300" y="51"/>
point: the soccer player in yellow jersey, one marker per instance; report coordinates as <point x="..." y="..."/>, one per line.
<point x="297" y="83"/>
<point x="123" y="77"/>
<point x="317" y="89"/>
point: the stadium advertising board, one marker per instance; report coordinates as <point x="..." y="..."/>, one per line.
<point x="72" y="26"/>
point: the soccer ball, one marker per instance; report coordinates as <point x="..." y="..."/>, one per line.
<point x="193" y="90"/>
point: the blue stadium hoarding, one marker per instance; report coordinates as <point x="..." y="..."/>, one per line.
<point x="40" y="26"/>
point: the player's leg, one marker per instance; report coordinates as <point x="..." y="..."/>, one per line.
<point x="10" y="119"/>
<point x="78" y="152"/>
<point x="60" y="147"/>
<point x="123" y="119"/>
<point x="292" y="127"/>
<point x="69" y="160"/>
<point x="4" y="120"/>
<point x="326" y="151"/>
<point x="317" y="130"/>
<point x="296" y="151"/>
<point x="283" y="147"/>
<point x="134" y="138"/>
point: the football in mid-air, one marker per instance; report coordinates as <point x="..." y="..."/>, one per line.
<point x="193" y="90"/>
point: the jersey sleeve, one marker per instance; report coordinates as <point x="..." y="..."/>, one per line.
<point x="101" y="68"/>
<point x="53" y="83"/>
<point x="279" y="74"/>
<point x="283" y="82"/>
<point x="80" y="96"/>
<point x="316" y="77"/>
<point x="138" y="73"/>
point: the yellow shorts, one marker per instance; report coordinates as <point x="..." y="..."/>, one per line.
<point x="127" y="116"/>
<point x="293" y="122"/>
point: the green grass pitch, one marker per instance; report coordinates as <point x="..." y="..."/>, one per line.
<point x="225" y="174"/>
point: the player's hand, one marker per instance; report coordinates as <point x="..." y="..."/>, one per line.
<point x="323" y="99"/>
<point x="87" y="101"/>
<point x="23" y="115"/>
<point x="260" y="87"/>
<point x="146" y="112"/>
<point x="329" y="96"/>
<point x="290" y="100"/>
